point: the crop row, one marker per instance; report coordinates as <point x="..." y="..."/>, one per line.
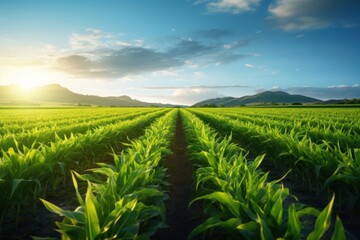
<point x="336" y="119"/>
<point x="19" y="123"/>
<point x="39" y="116"/>
<point x="27" y="173"/>
<point x="322" y="166"/>
<point x="239" y="201"/>
<point x="345" y="138"/>
<point x="124" y="200"/>
<point x="46" y="135"/>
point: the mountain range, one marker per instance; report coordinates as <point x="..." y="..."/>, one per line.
<point x="56" y="94"/>
<point x="267" y="97"/>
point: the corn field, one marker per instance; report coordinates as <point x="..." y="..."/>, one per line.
<point x="101" y="173"/>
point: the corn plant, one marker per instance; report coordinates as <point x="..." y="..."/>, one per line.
<point x="28" y="173"/>
<point x="124" y="200"/>
<point x="45" y="135"/>
<point x="327" y="164"/>
<point x="239" y="199"/>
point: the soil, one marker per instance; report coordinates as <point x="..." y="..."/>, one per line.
<point x="180" y="218"/>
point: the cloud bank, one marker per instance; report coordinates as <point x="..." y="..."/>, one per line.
<point x="295" y="15"/>
<point x="117" y="63"/>
<point x="334" y="92"/>
<point x="98" y="55"/>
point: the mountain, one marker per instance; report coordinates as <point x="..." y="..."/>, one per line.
<point x="216" y="101"/>
<point x="260" y="98"/>
<point x="343" y="101"/>
<point x="56" y="94"/>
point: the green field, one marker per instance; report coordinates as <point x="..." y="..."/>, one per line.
<point x="105" y="173"/>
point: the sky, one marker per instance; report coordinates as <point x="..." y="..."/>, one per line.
<point x="183" y="51"/>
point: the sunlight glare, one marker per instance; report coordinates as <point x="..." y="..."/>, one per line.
<point x="29" y="78"/>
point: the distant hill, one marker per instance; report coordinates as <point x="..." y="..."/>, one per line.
<point x="343" y="101"/>
<point x="54" y="93"/>
<point x="216" y="101"/>
<point x="260" y="98"/>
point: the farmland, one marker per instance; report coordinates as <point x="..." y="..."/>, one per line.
<point x="233" y="173"/>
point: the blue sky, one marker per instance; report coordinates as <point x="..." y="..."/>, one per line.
<point x="183" y="51"/>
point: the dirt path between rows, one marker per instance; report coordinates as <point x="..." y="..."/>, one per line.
<point x="180" y="218"/>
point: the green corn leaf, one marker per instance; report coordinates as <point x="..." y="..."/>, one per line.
<point x="76" y="217"/>
<point x="69" y="231"/>
<point x="308" y="211"/>
<point x="277" y="210"/>
<point x="248" y="230"/>
<point x="357" y="156"/>
<point x="213" y="222"/>
<point x="256" y="163"/>
<point x="322" y="222"/>
<point x="15" y="184"/>
<point x="249" y="226"/>
<point x="294" y="225"/>
<point x="52" y="207"/>
<point x="339" y="232"/>
<point x="91" y="216"/>
<point x="147" y="193"/>
<point x="264" y="230"/>
<point x="257" y="209"/>
<point x="78" y="196"/>
<point x="224" y="199"/>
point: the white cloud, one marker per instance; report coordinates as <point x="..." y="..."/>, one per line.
<point x="236" y="44"/>
<point x="193" y="95"/>
<point x="183" y="96"/>
<point x="284" y="8"/>
<point x="233" y="6"/>
<point x="90" y="40"/>
<point x="303" y="23"/>
<point x="248" y="65"/>
<point x="339" y="86"/>
<point x="138" y="43"/>
<point x="191" y="64"/>
<point x="198" y="74"/>
<point x="167" y="72"/>
<point x="276" y="88"/>
<point x="122" y="43"/>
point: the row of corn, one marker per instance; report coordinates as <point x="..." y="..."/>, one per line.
<point x="240" y="202"/>
<point x="37" y="135"/>
<point x="26" y="173"/>
<point x="329" y="168"/>
<point x="123" y="200"/>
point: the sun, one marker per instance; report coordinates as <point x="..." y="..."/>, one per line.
<point x="29" y="78"/>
